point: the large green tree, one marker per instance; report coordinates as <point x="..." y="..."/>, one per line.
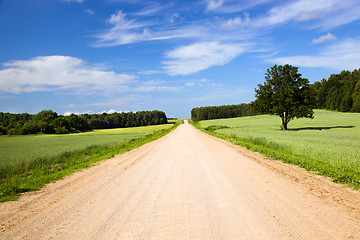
<point x="286" y="94"/>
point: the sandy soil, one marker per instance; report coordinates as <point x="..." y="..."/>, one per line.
<point x="186" y="185"/>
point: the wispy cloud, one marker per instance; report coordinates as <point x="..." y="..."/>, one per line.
<point x="299" y="11"/>
<point x="325" y="14"/>
<point x="214" y="4"/>
<point x="173" y="17"/>
<point x="342" y="55"/>
<point x="79" y="1"/>
<point x="129" y="31"/>
<point x="324" y="38"/>
<point x="202" y="83"/>
<point x="156" y="86"/>
<point x="197" y="82"/>
<point x="54" y="73"/>
<point x="124" y="31"/>
<point x="232" y="6"/>
<point x="157" y="89"/>
<point x="227" y="34"/>
<point x="321" y="14"/>
<point x="89" y="11"/>
<point x="153" y="8"/>
<point x="341" y="12"/>
<point x="199" y="56"/>
<point x="150" y="72"/>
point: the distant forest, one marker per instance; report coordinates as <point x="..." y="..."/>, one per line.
<point x="49" y="122"/>
<point x="340" y="92"/>
<point x="226" y="111"/>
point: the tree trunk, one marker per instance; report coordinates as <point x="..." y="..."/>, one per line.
<point x="284" y="121"/>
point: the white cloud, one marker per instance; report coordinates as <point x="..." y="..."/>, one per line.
<point x="324" y="38"/>
<point x="174" y="17"/>
<point x="111" y="111"/>
<point x="54" y="73"/>
<point x="199" y="56"/>
<point x="68" y="113"/>
<point x="325" y="14"/>
<point x="339" y="56"/>
<point x="89" y="11"/>
<point x="213" y="4"/>
<point x="237" y="21"/>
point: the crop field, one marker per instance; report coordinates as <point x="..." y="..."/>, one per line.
<point x="15" y="150"/>
<point x="328" y="144"/>
<point x="29" y="162"/>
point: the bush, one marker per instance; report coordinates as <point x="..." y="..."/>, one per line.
<point x="2" y="130"/>
<point x="29" y="128"/>
<point x="14" y="131"/>
<point x="61" y="130"/>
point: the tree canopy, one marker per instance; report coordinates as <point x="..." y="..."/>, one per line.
<point x="286" y="94"/>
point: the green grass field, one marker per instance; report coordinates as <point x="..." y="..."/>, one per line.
<point x="29" y="162"/>
<point x="16" y="150"/>
<point x="328" y="144"/>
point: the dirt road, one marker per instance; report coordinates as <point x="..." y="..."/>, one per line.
<point x="186" y="185"/>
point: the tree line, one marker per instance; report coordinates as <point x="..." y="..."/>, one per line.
<point x="49" y="122"/>
<point x="340" y="92"/>
<point x="225" y="111"/>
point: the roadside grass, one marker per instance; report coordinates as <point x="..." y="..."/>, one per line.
<point x="27" y="163"/>
<point x="329" y="144"/>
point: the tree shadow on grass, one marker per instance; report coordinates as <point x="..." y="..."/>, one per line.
<point x="319" y="128"/>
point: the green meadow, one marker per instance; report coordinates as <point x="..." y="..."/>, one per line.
<point x="29" y="162"/>
<point x="329" y="144"/>
<point x="16" y="150"/>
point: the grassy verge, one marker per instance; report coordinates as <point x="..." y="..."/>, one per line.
<point x="32" y="175"/>
<point x="328" y="144"/>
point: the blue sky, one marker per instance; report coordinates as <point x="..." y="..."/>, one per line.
<point x="87" y="56"/>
